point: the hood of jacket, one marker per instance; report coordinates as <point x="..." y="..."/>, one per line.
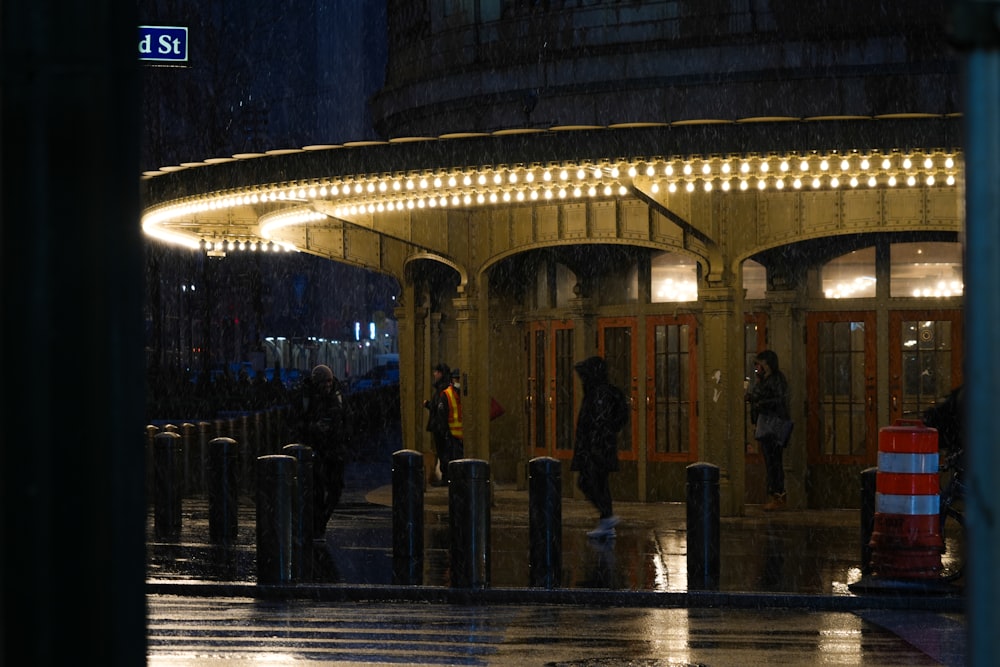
<point x="592" y="370"/>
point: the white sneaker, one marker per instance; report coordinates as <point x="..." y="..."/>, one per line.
<point x="605" y="528"/>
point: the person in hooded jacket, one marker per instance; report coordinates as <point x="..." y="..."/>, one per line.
<point x="595" y="448"/>
<point x="769" y="396"/>
<point x="318" y="418"/>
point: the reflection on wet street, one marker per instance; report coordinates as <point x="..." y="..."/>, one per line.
<point x="793" y="552"/>
<point x="243" y="631"/>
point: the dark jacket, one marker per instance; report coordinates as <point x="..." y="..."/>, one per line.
<point x="597" y="426"/>
<point x="437" y="420"/>
<point x="318" y="418"/>
<point x="769" y="396"/>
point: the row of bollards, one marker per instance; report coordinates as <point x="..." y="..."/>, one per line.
<point x="284" y="514"/>
<point x="257" y="432"/>
<point x="223" y="486"/>
<point x="469" y="501"/>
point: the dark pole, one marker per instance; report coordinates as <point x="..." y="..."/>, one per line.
<point x="302" y="510"/>
<point x="545" y="522"/>
<point x="703" y="537"/>
<point x="167" y="486"/>
<point x="469" y="523"/>
<point x="976" y="25"/>
<point x="223" y="490"/>
<point x="407" y="517"/>
<point x="276" y="549"/>
<point x="71" y="259"/>
<point x="869" y="476"/>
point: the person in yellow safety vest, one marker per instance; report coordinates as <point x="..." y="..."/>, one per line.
<point x="455" y="413"/>
<point x="445" y="420"/>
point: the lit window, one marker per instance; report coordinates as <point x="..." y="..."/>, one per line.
<point x="754" y="280"/>
<point x="673" y="277"/>
<point x="850" y="276"/>
<point x="925" y="270"/>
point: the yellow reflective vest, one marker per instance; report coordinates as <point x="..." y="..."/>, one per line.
<point x="454" y="411"/>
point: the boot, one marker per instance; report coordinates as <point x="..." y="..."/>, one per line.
<point x="777" y="502"/>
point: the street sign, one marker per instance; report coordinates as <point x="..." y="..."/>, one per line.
<point x="163" y="43"/>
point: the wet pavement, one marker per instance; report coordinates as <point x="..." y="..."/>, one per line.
<point x="790" y="590"/>
<point x="800" y="552"/>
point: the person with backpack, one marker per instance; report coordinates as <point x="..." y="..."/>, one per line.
<point x="604" y="412"/>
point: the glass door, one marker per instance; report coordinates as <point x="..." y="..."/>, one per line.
<point x="925" y="359"/>
<point x="841" y="384"/>
<point x="671" y="388"/>
<point x="550" y="388"/>
<point x="616" y="341"/>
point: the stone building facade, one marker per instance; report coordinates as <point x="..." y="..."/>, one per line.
<point x="672" y="184"/>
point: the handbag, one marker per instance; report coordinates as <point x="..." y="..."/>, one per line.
<point x="771" y="426"/>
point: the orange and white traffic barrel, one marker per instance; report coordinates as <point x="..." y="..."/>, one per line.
<point x="906" y="540"/>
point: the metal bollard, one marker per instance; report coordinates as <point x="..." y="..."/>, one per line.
<point x="187" y="446"/>
<point x="703" y="526"/>
<point x="868" y="486"/>
<point x="149" y="458"/>
<point x="302" y="519"/>
<point x="167" y="485"/>
<point x="204" y="437"/>
<point x="407" y="518"/>
<point x="469" y="522"/>
<point x="223" y="489"/>
<point x="276" y="551"/>
<point x="545" y="522"/>
<point x="240" y="431"/>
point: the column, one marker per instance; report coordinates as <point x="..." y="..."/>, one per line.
<point x="784" y="320"/>
<point x="472" y="359"/>
<point x="722" y="412"/>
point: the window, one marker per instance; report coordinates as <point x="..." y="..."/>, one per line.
<point x="925" y="270"/>
<point x="850" y="276"/>
<point x="619" y="286"/>
<point x="673" y="277"/>
<point x="754" y="280"/>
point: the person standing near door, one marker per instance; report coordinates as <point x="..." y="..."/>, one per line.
<point x="768" y="397"/>
<point x="445" y="420"/>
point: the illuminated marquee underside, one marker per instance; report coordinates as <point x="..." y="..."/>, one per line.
<point x="253" y="217"/>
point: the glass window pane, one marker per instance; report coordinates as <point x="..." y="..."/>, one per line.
<point x="850" y="276"/>
<point x="619" y="285"/>
<point x="842" y="388"/>
<point x="672" y="374"/>
<point x="925" y="270"/>
<point x="674" y="277"/>
<point x="754" y="280"/>
<point x="564" y="388"/>
<point x="565" y="282"/>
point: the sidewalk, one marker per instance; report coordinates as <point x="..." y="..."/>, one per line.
<point x="792" y="558"/>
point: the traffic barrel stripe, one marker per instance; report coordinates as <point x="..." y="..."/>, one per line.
<point x="909" y="463"/>
<point x="887" y="503"/>
<point x="907" y="485"/>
